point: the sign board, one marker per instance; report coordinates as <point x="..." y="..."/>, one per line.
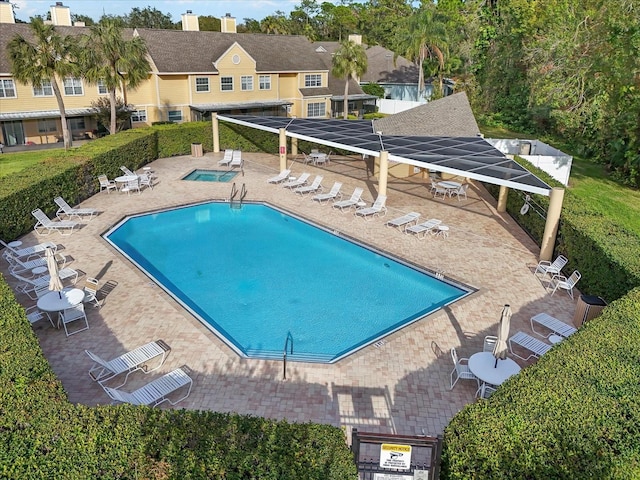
<point x="283" y="150"/>
<point x="395" y="456"/>
<point x="391" y="476"/>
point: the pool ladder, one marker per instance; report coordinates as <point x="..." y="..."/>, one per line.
<point x="237" y="203"/>
<point x="284" y="355"/>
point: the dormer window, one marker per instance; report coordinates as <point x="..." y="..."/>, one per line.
<point x="313" y="80"/>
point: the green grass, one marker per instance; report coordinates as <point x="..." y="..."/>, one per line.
<point x="14" y="162"/>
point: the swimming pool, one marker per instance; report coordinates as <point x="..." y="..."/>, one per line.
<point x="200" y="175"/>
<point x="257" y="275"/>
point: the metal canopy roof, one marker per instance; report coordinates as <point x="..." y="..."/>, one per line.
<point x="470" y="157"/>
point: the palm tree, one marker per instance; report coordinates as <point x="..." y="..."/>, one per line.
<point x="45" y="57"/>
<point x="426" y="39"/>
<point x="349" y="61"/>
<point x="115" y="61"/>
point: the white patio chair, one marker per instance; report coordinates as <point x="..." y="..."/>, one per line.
<point x="438" y="190"/>
<point x="404" y="221"/>
<point x="333" y="194"/>
<point x="460" y="192"/>
<point x="44" y="225"/>
<point x="226" y="159"/>
<point x="131" y="186"/>
<point x="146" y="180"/>
<point x="281" y="177"/>
<point x="489" y="343"/>
<point x="74" y="314"/>
<point x="155" y="392"/>
<point x="461" y="370"/>
<point x="91" y="291"/>
<point x="356" y="197"/>
<point x="106" y="184"/>
<point x="529" y="343"/>
<point x="298" y="182"/>
<point x="314" y="187"/>
<point x="560" y="281"/>
<point x="378" y="209"/>
<point x="34" y="314"/>
<point x="69" y="211"/>
<point x="545" y="267"/>
<point x="423" y="228"/>
<point x="485" y="391"/>
<point x="129" y="362"/>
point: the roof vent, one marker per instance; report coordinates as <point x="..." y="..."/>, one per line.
<point x="227" y="14"/>
<point x="58" y="4"/>
<point x="189" y="11"/>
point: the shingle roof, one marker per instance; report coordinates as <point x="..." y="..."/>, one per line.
<point x="336" y="85"/>
<point x="447" y="117"/>
<point x="176" y="51"/>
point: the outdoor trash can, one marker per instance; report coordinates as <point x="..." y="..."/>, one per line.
<point x="196" y="149"/>
<point x="588" y="308"/>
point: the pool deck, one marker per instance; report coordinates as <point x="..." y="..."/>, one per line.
<point x="399" y="386"/>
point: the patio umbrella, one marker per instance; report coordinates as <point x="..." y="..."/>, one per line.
<point x="500" y="350"/>
<point x="54" y="283"/>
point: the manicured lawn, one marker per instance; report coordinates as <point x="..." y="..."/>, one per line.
<point x="14" y="162"/>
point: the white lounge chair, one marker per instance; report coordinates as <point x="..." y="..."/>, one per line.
<point x="45" y="225"/>
<point x="33" y="251"/>
<point x="30" y="285"/>
<point x="554" y="325"/>
<point x="281" y="177"/>
<point x="70" y="212"/>
<point x="226" y="159"/>
<point x="527" y="342"/>
<point x="73" y="314"/>
<point x="560" y="281"/>
<point x="155" y="392"/>
<point x="298" y="182"/>
<point x="333" y="194"/>
<point x="23" y="266"/>
<point x="136" y="359"/>
<point x="127" y="171"/>
<point x="423" y="228"/>
<point x="377" y="209"/>
<point x="461" y="370"/>
<point x="314" y="187"/>
<point x="404" y="221"/>
<point x="236" y="159"/>
<point x="106" y="184"/>
<point x="356" y="197"/>
<point x="547" y="268"/>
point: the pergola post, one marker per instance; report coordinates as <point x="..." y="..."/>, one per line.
<point x="294" y="146"/>
<point x="283" y="149"/>
<point x="502" y="199"/>
<point x="216" y="132"/>
<point x="556" y="198"/>
<point x="384" y="172"/>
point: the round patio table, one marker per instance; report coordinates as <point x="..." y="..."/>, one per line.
<point x="124" y="179"/>
<point x="482" y="364"/>
<point x="58" y="301"/>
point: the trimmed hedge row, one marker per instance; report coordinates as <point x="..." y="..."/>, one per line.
<point x="574" y="414"/>
<point x="606" y="254"/>
<point x="42" y="435"/>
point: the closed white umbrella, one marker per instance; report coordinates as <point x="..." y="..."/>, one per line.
<point x="500" y="350"/>
<point x="55" y="284"/>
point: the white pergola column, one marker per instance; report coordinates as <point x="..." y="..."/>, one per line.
<point x="283" y="149"/>
<point x="551" y="226"/>
<point x="384" y="172"/>
<point x="216" y="132"/>
<point x="502" y="199"/>
<point x="294" y="146"/>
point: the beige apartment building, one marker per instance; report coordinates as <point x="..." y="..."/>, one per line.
<point x="193" y="74"/>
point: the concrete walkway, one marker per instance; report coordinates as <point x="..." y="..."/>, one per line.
<point x="399" y="386"/>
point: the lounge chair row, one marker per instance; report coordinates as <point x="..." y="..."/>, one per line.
<point x="408" y="223"/>
<point x="63" y="224"/>
<point x="556" y="332"/>
<point x="153" y="393"/>
<point x="231" y="158"/>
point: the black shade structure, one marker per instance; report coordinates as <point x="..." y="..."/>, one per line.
<point x="470" y="157"/>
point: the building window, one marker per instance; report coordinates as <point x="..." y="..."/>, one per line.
<point x="265" y="82"/>
<point x="314" y="80"/>
<point x="76" y="123"/>
<point x="139" y="116"/>
<point x="73" y="86"/>
<point x="102" y="88"/>
<point x="175" y="115"/>
<point x="246" y="82"/>
<point x="316" y="109"/>
<point x="226" y="84"/>
<point x="47" y="125"/>
<point x="7" y="89"/>
<point x="202" y="84"/>
<point x="43" y="90"/>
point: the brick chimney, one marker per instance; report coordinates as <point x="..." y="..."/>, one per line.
<point x="190" y="22"/>
<point x="228" y="24"/>
<point x="6" y="12"/>
<point x="60" y="15"/>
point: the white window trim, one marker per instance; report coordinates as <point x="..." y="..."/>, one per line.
<point x="42" y="88"/>
<point x="316" y="76"/>
<point x="48" y="122"/>
<point x="264" y="79"/>
<point x="243" y="78"/>
<point x="208" y="85"/>
<point x="101" y="84"/>
<point x="75" y="82"/>
<point x="136" y="113"/>
<point x="314" y="104"/>
<point x="4" y="90"/>
<point x="175" y="111"/>
<point x="232" y="84"/>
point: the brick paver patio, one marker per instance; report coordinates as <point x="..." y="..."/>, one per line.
<point x="400" y="386"/>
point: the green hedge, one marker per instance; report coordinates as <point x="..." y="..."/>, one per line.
<point x="42" y="435"/>
<point x="574" y="414"/>
<point x="606" y="254"/>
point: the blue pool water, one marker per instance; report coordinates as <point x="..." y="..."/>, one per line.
<point x="211" y="175"/>
<point x="256" y="275"/>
